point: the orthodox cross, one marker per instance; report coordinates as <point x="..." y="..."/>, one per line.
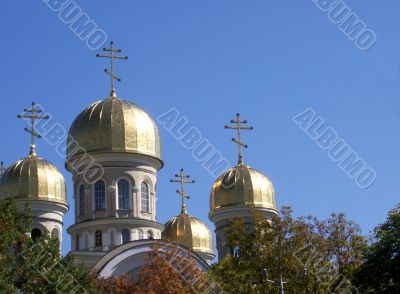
<point x="2" y="169"/>
<point x="33" y="114"/>
<point x="181" y="178"/>
<point x="110" y="72"/>
<point x="239" y="127"/>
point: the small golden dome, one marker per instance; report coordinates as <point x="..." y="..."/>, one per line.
<point x="33" y="178"/>
<point x="114" y="125"/>
<point x="242" y="186"/>
<point x="190" y="232"/>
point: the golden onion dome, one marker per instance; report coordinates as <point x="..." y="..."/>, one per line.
<point x="242" y="187"/>
<point x="114" y="125"/>
<point x="33" y="178"/>
<point x="189" y="231"/>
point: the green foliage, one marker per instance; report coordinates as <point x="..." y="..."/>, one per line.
<point x="13" y="225"/>
<point x="34" y="266"/>
<point x="311" y="256"/>
<point x="380" y="272"/>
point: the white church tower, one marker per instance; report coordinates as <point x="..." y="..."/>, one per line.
<point x="113" y="153"/>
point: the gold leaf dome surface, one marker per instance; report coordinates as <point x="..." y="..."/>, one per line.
<point x="114" y="125"/>
<point x="33" y="178"/>
<point x="242" y="187"/>
<point x="190" y="232"/>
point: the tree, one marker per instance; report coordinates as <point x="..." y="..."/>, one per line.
<point x="13" y="225"/>
<point x="34" y="266"/>
<point x="117" y="285"/>
<point x="311" y="256"/>
<point x="157" y="276"/>
<point x="339" y="246"/>
<point x="380" y="272"/>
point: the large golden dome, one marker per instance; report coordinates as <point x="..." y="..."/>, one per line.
<point x="33" y="178"/>
<point x="242" y="186"/>
<point x="114" y="125"/>
<point x="190" y="232"/>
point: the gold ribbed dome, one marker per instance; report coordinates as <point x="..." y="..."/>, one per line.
<point x="114" y="125"/>
<point x="35" y="179"/>
<point x="242" y="186"/>
<point x="190" y="232"/>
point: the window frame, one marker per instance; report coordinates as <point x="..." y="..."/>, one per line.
<point x="143" y="199"/>
<point x="98" y="238"/>
<point x="128" y="194"/>
<point x="125" y="240"/>
<point x="101" y="197"/>
<point x="82" y="200"/>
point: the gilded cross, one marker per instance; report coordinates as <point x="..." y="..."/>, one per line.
<point x="2" y="168"/>
<point x="110" y="72"/>
<point x="239" y="126"/>
<point x="182" y="178"/>
<point x="33" y="114"/>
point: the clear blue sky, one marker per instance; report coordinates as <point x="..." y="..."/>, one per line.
<point x="269" y="60"/>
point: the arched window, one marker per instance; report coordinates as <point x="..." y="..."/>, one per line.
<point x="99" y="196"/>
<point x="150" y="235"/>
<point x="123" y="194"/>
<point x="145" y="197"/>
<point x="36" y="233"/>
<point x="98" y="238"/>
<point x="126" y="236"/>
<point x="55" y="233"/>
<point x="82" y="202"/>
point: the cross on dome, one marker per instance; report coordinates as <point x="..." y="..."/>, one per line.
<point x="110" y="72"/>
<point x="180" y="178"/>
<point x="239" y="126"/>
<point x="31" y="114"/>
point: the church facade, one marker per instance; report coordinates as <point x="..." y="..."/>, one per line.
<point x="114" y="155"/>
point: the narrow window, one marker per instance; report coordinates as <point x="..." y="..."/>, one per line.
<point x="123" y="194"/>
<point x="77" y="242"/>
<point x="126" y="236"/>
<point x="145" y="197"/>
<point x="98" y="239"/>
<point x="150" y="235"/>
<point x="82" y="202"/>
<point x="99" y="195"/>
